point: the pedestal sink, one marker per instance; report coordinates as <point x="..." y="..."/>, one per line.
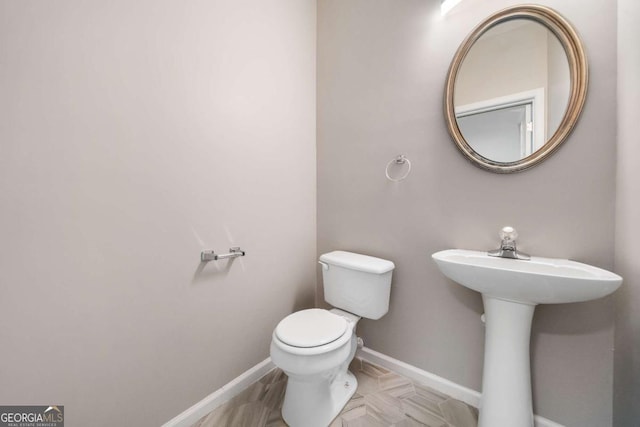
<point x="510" y="291"/>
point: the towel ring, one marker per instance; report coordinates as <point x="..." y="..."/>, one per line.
<point x="399" y="160"/>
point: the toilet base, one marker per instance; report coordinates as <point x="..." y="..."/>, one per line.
<point x="317" y="403"/>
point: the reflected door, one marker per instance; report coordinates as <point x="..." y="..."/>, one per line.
<point x="503" y="134"/>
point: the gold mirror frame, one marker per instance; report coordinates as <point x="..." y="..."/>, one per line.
<point x="578" y="72"/>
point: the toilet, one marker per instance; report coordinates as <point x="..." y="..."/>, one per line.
<point x="314" y="347"/>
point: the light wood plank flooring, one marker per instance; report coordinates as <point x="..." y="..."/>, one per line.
<point x="382" y="399"/>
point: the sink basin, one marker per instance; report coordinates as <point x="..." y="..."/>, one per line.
<point x="511" y="289"/>
<point x="537" y="281"/>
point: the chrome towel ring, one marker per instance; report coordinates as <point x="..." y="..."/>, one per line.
<point x="400" y="161"/>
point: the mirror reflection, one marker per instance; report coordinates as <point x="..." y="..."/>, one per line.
<point x="512" y="90"/>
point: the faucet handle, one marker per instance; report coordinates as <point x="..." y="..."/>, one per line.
<point x="508" y="245"/>
<point x="508" y="233"/>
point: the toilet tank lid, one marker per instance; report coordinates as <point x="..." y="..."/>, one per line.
<point x="358" y="262"/>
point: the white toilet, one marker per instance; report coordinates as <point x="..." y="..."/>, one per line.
<point x="314" y="347"/>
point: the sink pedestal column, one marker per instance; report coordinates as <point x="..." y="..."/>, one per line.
<point x="506" y="379"/>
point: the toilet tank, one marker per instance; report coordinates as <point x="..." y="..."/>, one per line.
<point x="359" y="284"/>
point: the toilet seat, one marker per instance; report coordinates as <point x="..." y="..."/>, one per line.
<point x="311" y="328"/>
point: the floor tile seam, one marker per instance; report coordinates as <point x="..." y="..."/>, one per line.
<point x="422" y="424"/>
<point x="377" y="417"/>
<point x="384" y="416"/>
<point x="392" y="401"/>
<point x="425" y="410"/>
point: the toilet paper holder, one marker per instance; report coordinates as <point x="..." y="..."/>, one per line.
<point x="210" y="255"/>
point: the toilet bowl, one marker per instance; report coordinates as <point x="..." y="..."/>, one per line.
<point x="319" y="383"/>
<point x="314" y="347"/>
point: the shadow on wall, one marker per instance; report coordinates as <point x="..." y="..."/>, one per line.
<point x="211" y="269"/>
<point x="468" y="298"/>
<point x="584" y="318"/>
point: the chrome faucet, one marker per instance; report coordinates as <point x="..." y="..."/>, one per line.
<point x="508" y="246"/>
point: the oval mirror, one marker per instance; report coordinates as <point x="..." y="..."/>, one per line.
<point x="515" y="88"/>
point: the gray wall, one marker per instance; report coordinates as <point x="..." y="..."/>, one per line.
<point x="132" y="136"/>
<point x="627" y="338"/>
<point x="381" y="71"/>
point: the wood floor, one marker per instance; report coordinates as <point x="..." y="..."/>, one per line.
<point x="382" y="399"/>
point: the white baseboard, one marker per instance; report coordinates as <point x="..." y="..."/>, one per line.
<point x="437" y="383"/>
<point x="236" y="386"/>
<point x="440" y="384"/>
<point x="220" y="396"/>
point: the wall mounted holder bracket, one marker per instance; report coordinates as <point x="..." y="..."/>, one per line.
<point x="234" y="252"/>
